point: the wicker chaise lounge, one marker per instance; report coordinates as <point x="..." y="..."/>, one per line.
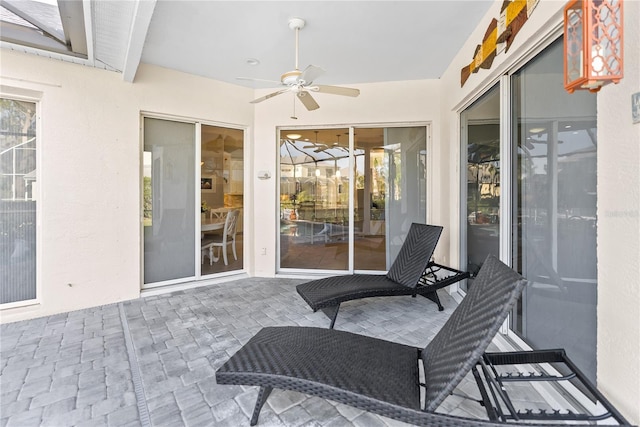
<point x="384" y="377"/>
<point x="412" y="273"/>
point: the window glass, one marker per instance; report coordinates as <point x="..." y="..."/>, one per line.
<point x="221" y="193"/>
<point x="18" y="192"/>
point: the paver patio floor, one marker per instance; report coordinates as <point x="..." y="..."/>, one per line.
<point x="152" y="361"/>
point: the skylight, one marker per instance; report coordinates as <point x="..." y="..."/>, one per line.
<point x="39" y="25"/>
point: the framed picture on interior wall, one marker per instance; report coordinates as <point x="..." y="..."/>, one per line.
<point x="206" y="183"/>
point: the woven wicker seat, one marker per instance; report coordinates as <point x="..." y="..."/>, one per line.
<point x="412" y="273"/>
<point x="381" y="376"/>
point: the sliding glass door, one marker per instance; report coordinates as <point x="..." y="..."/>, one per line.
<point x="554" y="218"/>
<point x="548" y="201"/>
<point x="347" y="206"/>
<point x="193" y="197"/>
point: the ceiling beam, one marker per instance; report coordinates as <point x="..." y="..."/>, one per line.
<point x="139" y="27"/>
<point x="72" y="17"/>
<point x="88" y="29"/>
<point x="21" y="35"/>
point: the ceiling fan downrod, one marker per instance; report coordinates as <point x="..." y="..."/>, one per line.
<point x="296" y="24"/>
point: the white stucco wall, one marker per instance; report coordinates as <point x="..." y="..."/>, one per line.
<point x="89" y="170"/>
<point x="381" y="103"/>
<point x="619" y="230"/>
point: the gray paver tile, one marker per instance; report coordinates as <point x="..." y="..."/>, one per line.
<point x="187" y="397"/>
<point x="7" y="409"/>
<point x="60" y="393"/>
<point x="198" y="415"/>
<point x="29" y="418"/>
<point x="349" y="412"/>
<point x="91" y="395"/>
<point x="320" y="409"/>
<point x="295" y="416"/>
<point x="123" y="416"/>
<point x="247" y="400"/>
<point x="59" y="409"/>
<point x="281" y="400"/>
<point x="105" y="407"/>
<point x="35" y="387"/>
<point x="367" y="419"/>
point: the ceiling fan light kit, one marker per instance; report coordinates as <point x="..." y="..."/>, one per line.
<point x="300" y="82"/>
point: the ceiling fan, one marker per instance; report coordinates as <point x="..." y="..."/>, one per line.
<point x="301" y="82"/>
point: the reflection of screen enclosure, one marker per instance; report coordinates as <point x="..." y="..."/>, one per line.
<point x="18" y="193"/>
<point x="387" y="186"/>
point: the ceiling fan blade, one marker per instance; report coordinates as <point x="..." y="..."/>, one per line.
<point x="271" y="95"/>
<point x="251" y="79"/>
<point x="307" y="100"/>
<point x="311" y="73"/>
<point x="335" y="90"/>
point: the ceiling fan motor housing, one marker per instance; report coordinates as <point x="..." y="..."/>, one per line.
<point x="290" y="77"/>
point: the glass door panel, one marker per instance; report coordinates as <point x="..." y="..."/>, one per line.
<point x="314" y="202"/>
<point x="554" y="137"/>
<point x="169" y="200"/>
<point x="481" y="143"/>
<point x="390" y="192"/>
<point x="221" y="192"/>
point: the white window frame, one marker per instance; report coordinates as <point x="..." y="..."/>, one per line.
<point x="27" y="95"/>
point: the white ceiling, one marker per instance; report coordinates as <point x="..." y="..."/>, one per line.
<point x="354" y="41"/>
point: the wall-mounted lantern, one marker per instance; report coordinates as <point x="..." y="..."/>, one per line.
<point x="592" y="44"/>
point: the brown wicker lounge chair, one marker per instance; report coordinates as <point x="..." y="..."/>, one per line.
<point x="384" y="377"/>
<point x="412" y="273"/>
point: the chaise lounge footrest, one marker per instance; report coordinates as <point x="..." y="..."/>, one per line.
<point x="538" y="362"/>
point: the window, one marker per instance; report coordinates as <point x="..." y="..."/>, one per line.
<point x="18" y="185"/>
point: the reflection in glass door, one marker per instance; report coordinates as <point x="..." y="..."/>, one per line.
<point x="390" y="192"/>
<point x="314" y="199"/>
<point x="387" y="186"/>
<point x="481" y="142"/>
